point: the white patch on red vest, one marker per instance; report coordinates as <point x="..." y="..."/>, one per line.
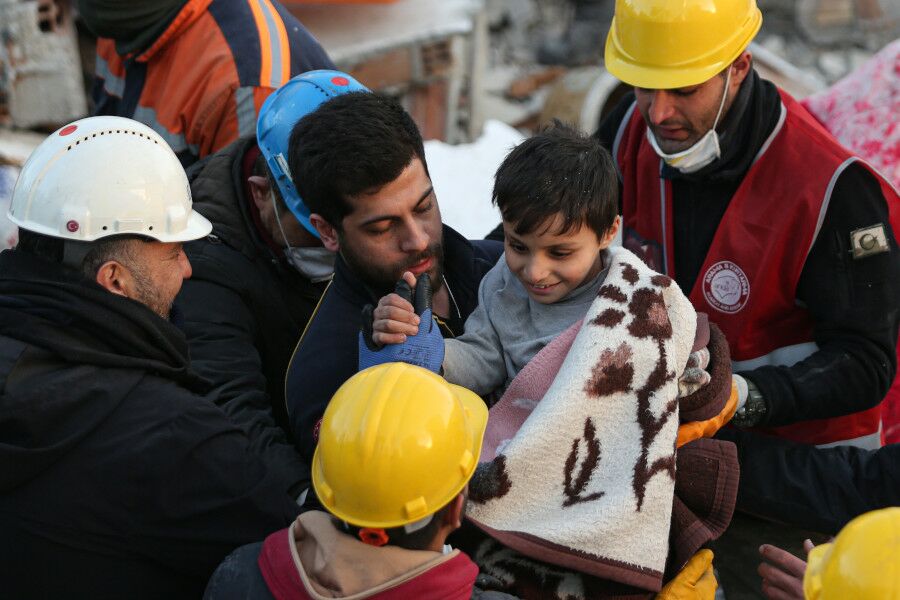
<point x="725" y="287"/>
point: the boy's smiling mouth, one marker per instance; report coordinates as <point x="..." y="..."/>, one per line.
<point x="541" y="288"/>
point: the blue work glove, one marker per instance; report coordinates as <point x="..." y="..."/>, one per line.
<point x="425" y="349"/>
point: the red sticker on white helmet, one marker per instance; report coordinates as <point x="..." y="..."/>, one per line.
<point x="68" y="129"/>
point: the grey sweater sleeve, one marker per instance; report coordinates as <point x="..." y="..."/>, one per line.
<point x="475" y="359"/>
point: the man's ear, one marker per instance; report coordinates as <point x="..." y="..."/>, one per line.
<point x="259" y="190"/>
<point x="740" y="68"/>
<point x="327" y="232"/>
<point x="114" y="277"/>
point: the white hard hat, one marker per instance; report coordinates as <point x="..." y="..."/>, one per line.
<point x="104" y="176"/>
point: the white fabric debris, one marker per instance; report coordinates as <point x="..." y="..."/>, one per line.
<point x="463" y="178"/>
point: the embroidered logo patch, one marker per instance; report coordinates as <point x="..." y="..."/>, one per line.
<point x="725" y="287"/>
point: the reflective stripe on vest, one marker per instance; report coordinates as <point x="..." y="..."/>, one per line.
<point x="791" y="355"/>
<point x="177" y="141"/>
<point x="115" y="86"/>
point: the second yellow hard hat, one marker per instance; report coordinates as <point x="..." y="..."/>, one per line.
<point x="863" y="562"/>
<point x="665" y="44"/>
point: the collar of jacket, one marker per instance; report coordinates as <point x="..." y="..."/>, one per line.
<point x="49" y="306"/>
<point x="192" y="11"/>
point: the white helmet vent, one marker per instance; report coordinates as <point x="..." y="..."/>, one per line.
<point x="119" y="183"/>
<point x="87" y="138"/>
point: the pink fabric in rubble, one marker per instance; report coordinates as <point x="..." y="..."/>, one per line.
<point x="862" y="111"/>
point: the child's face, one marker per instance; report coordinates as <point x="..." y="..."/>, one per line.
<point x="550" y="265"/>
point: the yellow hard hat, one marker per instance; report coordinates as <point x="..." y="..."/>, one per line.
<point x="665" y="44"/>
<point x="863" y="562"/>
<point x="397" y="443"/>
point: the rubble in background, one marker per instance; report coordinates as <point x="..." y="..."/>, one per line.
<point x="40" y="71"/>
<point x="806" y="44"/>
<point x="9" y="234"/>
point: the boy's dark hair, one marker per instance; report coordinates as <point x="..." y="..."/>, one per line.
<point x="558" y="171"/>
<point x="352" y="144"/>
<point x="419" y="539"/>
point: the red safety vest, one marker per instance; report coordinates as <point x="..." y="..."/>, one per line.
<point x="749" y="278"/>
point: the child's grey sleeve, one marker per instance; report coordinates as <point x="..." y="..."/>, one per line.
<point x="475" y="360"/>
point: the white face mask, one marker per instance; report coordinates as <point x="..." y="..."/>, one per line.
<point x="700" y="154"/>
<point x="316" y="263"/>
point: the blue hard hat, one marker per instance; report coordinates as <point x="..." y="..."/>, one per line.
<point x="281" y="111"/>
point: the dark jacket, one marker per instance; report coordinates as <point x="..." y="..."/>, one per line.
<point x="119" y="479"/>
<point x="855" y="304"/>
<point x="327" y="355"/>
<point x="819" y="489"/>
<point x="244" y="309"/>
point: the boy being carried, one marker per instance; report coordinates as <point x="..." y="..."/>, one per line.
<point x="558" y="195"/>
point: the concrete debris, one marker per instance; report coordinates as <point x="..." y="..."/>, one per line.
<point x="9" y="234"/>
<point x="40" y="71"/>
<point x="797" y="51"/>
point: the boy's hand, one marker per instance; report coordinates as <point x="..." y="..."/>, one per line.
<point x="395" y="317"/>
<point x="409" y="329"/>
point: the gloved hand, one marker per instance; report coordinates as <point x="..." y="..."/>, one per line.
<point x="425" y="349"/>
<point x="695" y="375"/>
<point x="696" y="581"/>
<point x="694" y="430"/>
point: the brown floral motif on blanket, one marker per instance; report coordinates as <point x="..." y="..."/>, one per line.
<point x="574" y="490"/>
<point x="651" y="320"/>
<point x="613" y="293"/>
<point x="614" y="372"/>
<point x="608" y="318"/>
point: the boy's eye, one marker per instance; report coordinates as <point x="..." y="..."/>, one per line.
<point x="560" y="254"/>
<point x="518" y="248"/>
<point x="424" y="208"/>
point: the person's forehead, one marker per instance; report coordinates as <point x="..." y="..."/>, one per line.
<point x="397" y="196"/>
<point x="548" y="233"/>
<point x="696" y="87"/>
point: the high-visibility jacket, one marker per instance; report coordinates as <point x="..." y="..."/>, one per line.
<point x="748" y="280"/>
<point x="201" y="84"/>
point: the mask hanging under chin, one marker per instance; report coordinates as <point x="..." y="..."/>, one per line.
<point x="702" y="153"/>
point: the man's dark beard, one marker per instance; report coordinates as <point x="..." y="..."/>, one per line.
<point x="381" y="281"/>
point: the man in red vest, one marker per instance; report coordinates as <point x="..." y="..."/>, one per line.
<point x="764" y="220"/>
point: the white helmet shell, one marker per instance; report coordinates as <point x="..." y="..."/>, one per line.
<point x="104" y="176"/>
